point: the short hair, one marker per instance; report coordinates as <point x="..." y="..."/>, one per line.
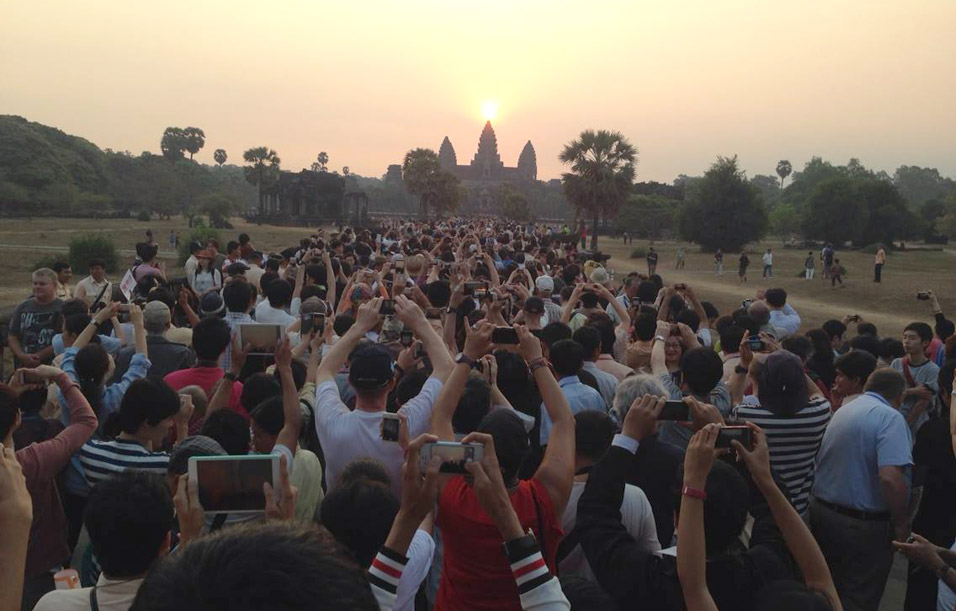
<point x="75" y="323"/>
<point x="554" y="332"/>
<point x="231" y="245"/>
<point x="702" y="370"/>
<point x="410" y="385"/>
<point x="867" y="328"/>
<point x="366" y="468"/>
<point x="128" y="517"/>
<point x="237" y="296"/>
<point x="689" y="318"/>
<point x="438" y="293"/>
<point x="590" y="340"/>
<point x="748" y="322"/>
<point x="511" y="441"/>
<point x="922" y="329"/>
<point x="279" y="293"/>
<point x="299" y="374"/>
<point x="645" y="327"/>
<point x="945" y="329"/>
<point x="59" y="266"/>
<point x="589" y="299"/>
<point x="198" y="395"/>
<point x="605" y="326"/>
<point x="647" y="292"/>
<point x="74" y="306"/>
<point x="730" y="338"/>
<point x="856" y="365"/>
<point x="147" y="401"/>
<point x="359" y="515"/>
<point x="799" y="345"/>
<point x="268" y="415"/>
<point x="834" y="328"/>
<point x="886" y="382"/>
<point x="593" y="433"/>
<point x="229" y="429"/>
<point x="777" y="298"/>
<point x="243" y="238"/>
<point x="567" y="357"/>
<point x="342" y="323"/>
<point x="867" y="343"/>
<point x="45" y="272"/>
<point x="726" y="506"/>
<point x="257" y="388"/>
<point x="96" y="262"/>
<point x="211" y="336"/>
<point x="632" y="388"/>
<point x="760" y="312"/>
<point x="473" y="405"/>
<point x="891" y="348"/>
<point x="304" y="565"/>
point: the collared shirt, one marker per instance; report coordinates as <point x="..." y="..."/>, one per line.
<point x="265" y="313"/>
<point x="785" y="318"/>
<point x="607" y="383"/>
<point x="863" y="436"/>
<point x="111" y="595"/>
<point x="622" y="299"/>
<point x="580" y="397"/>
<point x="608" y="364"/>
<point x="233" y="319"/>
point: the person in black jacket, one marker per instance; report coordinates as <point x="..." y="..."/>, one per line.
<point x="164" y="356"/>
<point x="636" y="579"/>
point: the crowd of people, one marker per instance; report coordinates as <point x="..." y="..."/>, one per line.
<point x="466" y="414"/>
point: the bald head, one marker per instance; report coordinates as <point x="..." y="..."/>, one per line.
<point x="888" y="383"/>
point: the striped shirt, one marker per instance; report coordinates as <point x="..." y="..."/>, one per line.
<point x="103" y="459"/>
<point x="793" y="440"/>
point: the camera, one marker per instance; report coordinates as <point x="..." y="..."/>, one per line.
<point x="923" y="295"/>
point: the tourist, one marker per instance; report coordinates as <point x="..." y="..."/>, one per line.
<point x="809" y="266"/>
<point x="64" y="273"/>
<point x="782" y="314"/>
<point x="826" y="255"/>
<point x="680" y="258"/>
<point x="836" y="273"/>
<point x="192" y="263"/>
<point x="567" y="359"/>
<point x="35" y="321"/>
<point x="148" y="267"/>
<point x="206" y="277"/>
<point x="652" y="258"/>
<point x="589" y="338"/>
<point x="879" y="262"/>
<point x="920" y="373"/>
<point x="95" y="289"/>
<point x="742" y="264"/>
<point x="853" y="369"/>
<point x="640" y="343"/>
<point x="165" y="356"/>
<point x="211" y="337"/>
<point x="768" y="263"/>
<point x="719" y="263"/>
<point x="172" y="240"/>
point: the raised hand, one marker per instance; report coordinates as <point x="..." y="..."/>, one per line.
<point x="478" y="339"/>
<point x="700" y="457"/>
<point x="641" y="419"/>
<point x="284" y="509"/>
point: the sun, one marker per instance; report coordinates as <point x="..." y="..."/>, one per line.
<point x="489" y="110"/>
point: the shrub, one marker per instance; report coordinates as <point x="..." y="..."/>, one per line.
<point x="639" y="253"/>
<point x="48" y="261"/>
<point x="143" y="216"/>
<point x="92" y="246"/>
<point x="196" y="234"/>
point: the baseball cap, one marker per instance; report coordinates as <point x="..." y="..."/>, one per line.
<point x="544" y="283"/>
<point x="211" y="304"/>
<point x="156" y="313"/>
<point x="196" y="445"/>
<point x="599" y="275"/>
<point x="371" y="367"/>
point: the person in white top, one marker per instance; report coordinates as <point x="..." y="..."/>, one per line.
<point x="192" y="262"/>
<point x="95" y="288"/>
<point x="593" y="433"/>
<point x="347" y="435"/>
<point x="768" y="264"/>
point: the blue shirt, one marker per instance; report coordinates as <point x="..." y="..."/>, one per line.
<point x="580" y="397"/>
<point x="863" y="435"/>
<point x="786" y="319"/>
<point x="112" y="345"/>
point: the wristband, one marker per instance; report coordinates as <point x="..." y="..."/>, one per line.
<point x="230" y="376"/>
<point x="660" y="338"/>
<point x="522" y="546"/>
<point x="694" y="493"/>
<point x="538" y="363"/>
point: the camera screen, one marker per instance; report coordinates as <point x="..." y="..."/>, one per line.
<point x="231" y="483"/>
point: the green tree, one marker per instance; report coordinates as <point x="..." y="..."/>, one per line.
<point x="438" y="191"/>
<point x="264" y="169"/>
<point x="649" y="216"/>
<point x="784" y="220"/>
<point x="889" y="217"/>
<point x="345" y="170"/>
<point x="918" y="185"/>
<point x="783" y="170"/>
<point x="601" y="177"/>
<point x="723" y="210"/>
<point x="219" y="155"/>
<point x="768" y="186"/>
<point x="836" y="212"/>
<point x="513" y="204"/>
<point x="173" y="144"/>
<point x="194" y="140"/>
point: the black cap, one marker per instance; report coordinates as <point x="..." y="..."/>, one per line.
<point x="371" y="367"/>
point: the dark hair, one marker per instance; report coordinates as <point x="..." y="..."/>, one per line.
<point x="726" y="506"/>
<point x="257" y="388"/>
<point x="149" y="401"/>
<point x="675" y="305"/>
<point x="867" y="328"/>
<point x="268" y="414"/>
<point x="776" y="298"/>
<point x="586" y="595"/>
<point x="438" y="293"/>
<point x="359" y="515"/>
<point x="590" y="340"/>
<point x="567" y="357"/>
<point x="645" y="326"/>
<point x="211" y="336"/>
<point x="473" y="405"/>
<point x="730" y="338"/>
<point x="228" y="428"/>
<point x="799" y="345"/>
<point x="316" y="272"/>
<point x="856" y="365"/>
<point x="554" y="332"/>
<point x="748" y="322"/>
<point x="128" y="518"/>
<point x="271" y="266"/>
<point x="867" y="343"/>
<point x="688" y="317"/>
<point x="702" y="369"/>
<point x="342" y="323"/>
<point x="945" y="329"/>
<point x="299" y="374"/>
<point x="511" y="441"/>
<point x="834" y="328"/>
<point x="75" y="324"/>
<point x="74" y="306"/>
<point x="268" y="277"/>
<point x="163" y="294"/>
<point x="410" y="386"/>
<point x="922" y="329"/>
<point x="96" y="262"/>
<point x="821" y="345"/>
<point x="647" y="292"/>
<point x="303" y="564"/>
<point x="59" y="266"/>
<point x="279" y="293"/>
<point x="231" y="245"/>
<point x="9" y="407"/>
<point x="146" y="251"/>
<point x="92" y="363"/>
<point x="710" y="310"/>
<point x="589" y="300"/>
<point x="243" y="238"/>
<point x="237" y="296"/>
<point x="891" y="348"/>
<point x="369" y="469"/>
<point x="593" y="433"/>
<point x="603" y="323"/>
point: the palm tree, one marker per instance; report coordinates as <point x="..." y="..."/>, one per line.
<point x="783" y="170"/>
<point x="195" y="139"/>
<point x="323" y="159"/>
<point x="438" y="190"/>
<point x="265" y="167"/>
<point x="602" y="174"/>
<point x="219" y="155"/>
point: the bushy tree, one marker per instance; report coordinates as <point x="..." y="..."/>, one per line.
<point x="264" y="169"/>
<point x="783" y="170"/>
<point x="220" y="156"/>
<point x="723" y="210"/>
<point x="513" y="204"/>
<point x="438" y="190"/>
<point x="784" y="220"/>
<point x="836" y="212"/>
<point x="173" y="144"/>
<point x="649" y="216"/>
<point x="193" y="140"/>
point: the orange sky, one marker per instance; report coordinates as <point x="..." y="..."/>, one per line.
<point x="366" y="81"/>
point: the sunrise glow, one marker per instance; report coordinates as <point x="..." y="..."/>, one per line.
<point x="489" y="110"/>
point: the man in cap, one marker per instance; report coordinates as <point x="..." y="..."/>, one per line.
<point x="165" y="356"/>
<point x="544" y="287"/>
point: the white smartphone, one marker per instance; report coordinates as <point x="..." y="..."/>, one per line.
<point x="233" y="484"/>
<point x="262" y="337"/>
<point x="454" y="455"/>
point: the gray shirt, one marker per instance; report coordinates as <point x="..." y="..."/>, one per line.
<point x="34" y="324"/>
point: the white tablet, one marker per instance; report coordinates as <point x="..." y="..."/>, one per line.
<point x="261" y="337"/>
<point x="233" y="484"/>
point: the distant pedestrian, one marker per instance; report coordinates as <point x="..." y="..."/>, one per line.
<point x="625" y="238"/>
<point x="742" y="264"/>
<point x="836" y="273"/>
<point x="768" y="264"/>
<point x="719" y="262"/>
<point x="809" y="265"/>
<point x="680" y="259"/>
<point x="149" y="237"/>
<point x="173" y="240"/>
<point x="826" y="255"/>
<point x="880" y="262"/>
<point x="651" y="261"/>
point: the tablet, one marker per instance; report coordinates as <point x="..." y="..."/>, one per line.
<point x="262" y="337"/>
<point x="233" y="484"/>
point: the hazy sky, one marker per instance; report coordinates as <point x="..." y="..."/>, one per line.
<point x="368" y="80"/>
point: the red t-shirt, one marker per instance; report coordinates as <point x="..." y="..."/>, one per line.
<point x="206" y="378"/>
<point x="476" y="574"/>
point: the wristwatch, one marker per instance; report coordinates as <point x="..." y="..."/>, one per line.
<point x="463" y="358"/>
<point x="522" y="546"/>
<point x="660" y="338"/>
<point x="230" y="376"/>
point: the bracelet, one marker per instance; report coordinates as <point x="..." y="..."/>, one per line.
<point x="660" y="338"/>
<point x="694" y="493"/>
<point x="740" y="369"/>
<point x="230" y="376"/>
<point x="538" y="363"/>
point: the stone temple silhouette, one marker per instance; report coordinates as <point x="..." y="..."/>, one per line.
<point x="486" y="173"/>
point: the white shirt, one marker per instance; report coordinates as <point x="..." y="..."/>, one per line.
<point x="420" y="555"/>
<point x="265" y="313"/>
<point x="636" y="516"/>
<point x="93" y="288"/>
<point x="190" y="266"/>
<point x="347" y="435"/>
<point x="768" y="258"/>
<point x="111" y="595"/>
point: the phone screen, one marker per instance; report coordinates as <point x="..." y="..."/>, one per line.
<point x="234" y="483"/>
<point x="454" y="455"/>
<point x="675" y="410"/>
<point x="504" y="335"/>
<point x="387" y="308"/>
<point x="742" y="434"/>
<point x="263" y="338"/>
<point x="390" y="426"/>
<point x="407" y="337"/>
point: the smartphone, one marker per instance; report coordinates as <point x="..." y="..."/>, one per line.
<point x="419" y="351"/>
<point x="318" y="321"/>
<point x="504" y="335"/>
<point x="31" y="377"/>
<point x="233" y="484"/>
<point x="680" y="287"/>
<point x="471" y="286"/>
<point x="482" y="293"/>
<point x="453" y="455"/>
<point x="262" y="337"/>
<point x="742" y="434"/>
<point x="433" y="313"/>
<point x="922" y="296"/>
<point x="306" y="324"/>
<point x="407" y="338"/>
<point x="387" y="308"/>
<point x="400" y="265"/>
<point x="390" y="426"/>
<point x="756" y="344"/>
<point x="675" y="410"/>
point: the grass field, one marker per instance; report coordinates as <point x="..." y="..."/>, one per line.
<point x="890" y="305"/>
